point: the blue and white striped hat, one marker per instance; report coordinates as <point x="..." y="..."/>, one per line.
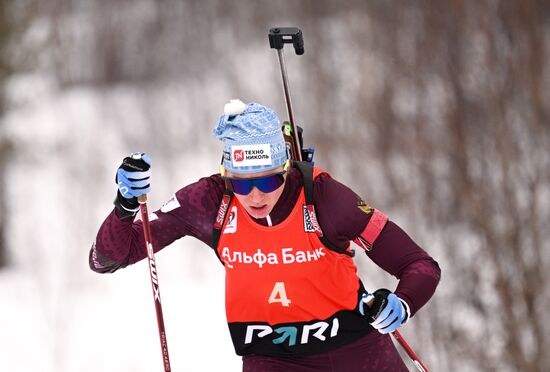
<point x="252" y="137"/>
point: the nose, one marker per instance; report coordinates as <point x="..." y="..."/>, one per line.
<point x="255" y="195"/>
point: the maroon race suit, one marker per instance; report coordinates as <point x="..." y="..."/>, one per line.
<point x="342" y="215"/>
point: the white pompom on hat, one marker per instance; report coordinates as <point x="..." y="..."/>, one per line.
<point x="234" y="107"/>
<point x="252" y="137"/>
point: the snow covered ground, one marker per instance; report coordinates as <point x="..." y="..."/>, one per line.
<point x="57" y="315"/>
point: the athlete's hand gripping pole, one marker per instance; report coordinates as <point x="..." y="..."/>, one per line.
<point x="142" y="199"/>
<point x="380" y="305"/>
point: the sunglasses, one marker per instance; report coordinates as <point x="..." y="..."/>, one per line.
<point x="266" y="184"/>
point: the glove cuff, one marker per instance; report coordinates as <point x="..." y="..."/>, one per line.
<point x="407" y="310"/>
<point x="126" y="207"/>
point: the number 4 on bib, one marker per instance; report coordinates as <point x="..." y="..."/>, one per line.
<point x="279" y="294"/>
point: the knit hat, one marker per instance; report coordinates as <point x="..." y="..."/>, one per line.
<point x="252" y="137"/>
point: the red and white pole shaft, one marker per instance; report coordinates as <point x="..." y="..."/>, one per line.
<point x="142" y="199"/>
<point x="417" y="363"/>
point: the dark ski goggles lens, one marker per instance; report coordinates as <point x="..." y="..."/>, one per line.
<point x="243" y="186"/>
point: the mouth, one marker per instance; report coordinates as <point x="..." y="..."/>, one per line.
<point x="259" y="210"/>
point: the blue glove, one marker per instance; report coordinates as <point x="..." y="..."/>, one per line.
<point x="384" y="309"/>
<point x="133" y="179"/>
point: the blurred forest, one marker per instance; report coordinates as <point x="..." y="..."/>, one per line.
<point x="437" y="112"/>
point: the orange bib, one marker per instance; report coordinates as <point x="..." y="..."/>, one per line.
<point x="286" y="293"/>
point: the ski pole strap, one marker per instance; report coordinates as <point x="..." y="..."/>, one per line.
<point x="373" y="229"/>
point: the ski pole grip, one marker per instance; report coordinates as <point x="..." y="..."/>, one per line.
<point x="142" y="199"/>
<point x="369" y="300"/>
<point x="279" y="36"/>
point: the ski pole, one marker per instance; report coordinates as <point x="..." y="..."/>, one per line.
<point x="142" y="199"/>
<point x="417" y="363"/>
<point x="278" y="37"/>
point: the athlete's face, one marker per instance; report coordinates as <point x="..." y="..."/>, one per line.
<point x="257" y="203"/>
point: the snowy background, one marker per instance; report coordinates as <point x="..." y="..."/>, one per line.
<point x="436" y="113"/>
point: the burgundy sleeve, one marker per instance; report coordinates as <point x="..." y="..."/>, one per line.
<point x="418" y="273"/>
<point x="343" y="216"/>
<point x="191" y="211"/>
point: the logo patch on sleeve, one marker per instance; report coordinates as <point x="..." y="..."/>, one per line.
<point x="170" y="205"/>
<point x="363" y="206"/>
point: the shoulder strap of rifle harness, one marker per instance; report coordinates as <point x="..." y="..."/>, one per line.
<point x="220" y="219"/>
<point x="306" y="169"/>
